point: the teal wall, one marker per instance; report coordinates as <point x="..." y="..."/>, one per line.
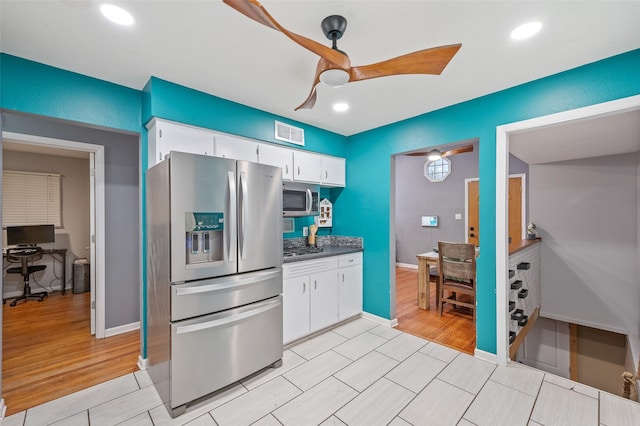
<point x="364" y="206"/>
<point x="171" y="101"/>
<point x="39" y="89"/>
<point x="366" y="200"/>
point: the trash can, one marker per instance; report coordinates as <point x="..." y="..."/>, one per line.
<point x="81" y="278"/>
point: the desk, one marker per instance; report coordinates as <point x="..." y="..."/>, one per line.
<point x="59" y="255"/>
<point x="425" y="261"/>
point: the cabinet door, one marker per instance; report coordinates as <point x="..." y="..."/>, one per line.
<point x="350" y="291"/>
<point x="236" y="148"/>
<point x="278" y="157"/>
<point x="176" y="137"/>
<point x="324" y="299"/>
<point x="295" y="312"/>
<point x="306" y="167"/>
<point x="333" y="171"/>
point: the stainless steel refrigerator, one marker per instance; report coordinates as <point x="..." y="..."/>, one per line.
<point x="214" y="274"/>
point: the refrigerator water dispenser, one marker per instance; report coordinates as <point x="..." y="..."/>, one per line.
<point x="204" y="237"/>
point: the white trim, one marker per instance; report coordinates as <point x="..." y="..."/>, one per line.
<point x="571" y="320"/>
<point x="407" y="265"/>
<point x="3" y="409"/>
<point x="143" y="363"/>
<point x="380" y="320"/>
<point x="122" y="329"/>
<point x="466" y="207"/>
<point x="502" y="168"/>
<point x="485" y="356"/>
<point x="98" y="150"/>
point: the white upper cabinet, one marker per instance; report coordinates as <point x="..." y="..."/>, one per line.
<point x="333" y="171"/>
<point x="307" y="167"/>
<point x="165" y="136"/>
<point x="236" y="148"/>
<point x="273" y="155"/>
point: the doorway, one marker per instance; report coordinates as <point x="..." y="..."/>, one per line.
<point x="96" y="210"/>
<point x="503" y="134"/>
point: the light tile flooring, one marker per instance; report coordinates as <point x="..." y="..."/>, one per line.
<point x="360" y="373"/>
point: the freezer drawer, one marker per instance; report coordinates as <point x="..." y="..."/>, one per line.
<point x="203" y="297"/>
<point x="213" y="351"/>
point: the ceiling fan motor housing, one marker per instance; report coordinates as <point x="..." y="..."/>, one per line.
<point x="334" y="26"/>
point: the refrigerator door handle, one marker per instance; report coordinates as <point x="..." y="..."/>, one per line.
<point x="244" y="196"/>
<point x="229" y="319"/>
<point x="228" y="284"/>
<point x="309" y="201"/>
<point x="231" y="226"/>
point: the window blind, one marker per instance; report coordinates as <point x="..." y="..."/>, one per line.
<point x="30" y="198"/>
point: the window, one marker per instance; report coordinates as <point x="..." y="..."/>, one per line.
<point x="437" y="170"/>
<point x="30" y="198"/>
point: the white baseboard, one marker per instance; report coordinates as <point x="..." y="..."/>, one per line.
<point x="407" y="265"/>
<point x="3" y="410"/>
<point x="485" y="356"/>
<point x="142" y="363"/>
<point x="122" y="329"/>
<point x="380" y="320"/>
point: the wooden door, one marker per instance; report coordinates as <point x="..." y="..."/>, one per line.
<point x="473" y="203"/>
<point x="515" y="210"/>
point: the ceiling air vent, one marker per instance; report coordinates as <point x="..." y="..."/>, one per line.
<point x="288" y="133"/>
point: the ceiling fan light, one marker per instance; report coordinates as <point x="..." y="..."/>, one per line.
<point x="334" y="77"/>
<point x="434" y="155"/>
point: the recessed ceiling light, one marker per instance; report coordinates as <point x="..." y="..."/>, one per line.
<point x="340" y="106"/>
<point x="526" y="30"/>
<point x="116" y="14"/>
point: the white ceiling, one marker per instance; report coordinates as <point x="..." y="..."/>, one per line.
<point x="210" y="47"/>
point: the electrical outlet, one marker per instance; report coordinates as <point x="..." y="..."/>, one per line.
<point x="458" y="216"/>
<point x="305" y="231"/>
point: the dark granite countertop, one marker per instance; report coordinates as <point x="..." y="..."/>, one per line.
<point x="327" y="251"/>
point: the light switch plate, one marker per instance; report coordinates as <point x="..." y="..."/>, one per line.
<point x="458" y="216"/>
<point x="305" y="231"/>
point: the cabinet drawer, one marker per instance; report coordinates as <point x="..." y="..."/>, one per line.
<point x="350" y="259"/>
<point x="307" y="267"/>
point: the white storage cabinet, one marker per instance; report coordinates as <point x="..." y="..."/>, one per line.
<point x="236" y="148"/>
<point x="279" y="157"/>
<point x="350" y="285"/>
<point x="333" y="171"/>
<point x="166" y="136"/>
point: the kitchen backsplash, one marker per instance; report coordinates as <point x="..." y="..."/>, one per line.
<point x="328" y="240"/>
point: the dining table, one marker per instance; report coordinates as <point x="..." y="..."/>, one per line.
<point x="425" y="262"/>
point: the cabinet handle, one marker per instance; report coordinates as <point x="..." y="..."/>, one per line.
<point x="326" y="174"/>
<point x="315" y="284"/>
<point x="304" y="287"/>
<point x="298" y="170"/>
<point x="343" y="277"/>
<point x="286" y="168"/>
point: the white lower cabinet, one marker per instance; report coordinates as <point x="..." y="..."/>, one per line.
<point x="319" y="293"/>
<point x="350" y="285"/>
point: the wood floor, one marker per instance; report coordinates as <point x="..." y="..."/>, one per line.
<point x="48" y="352"/>
<point x="453" y="329"/>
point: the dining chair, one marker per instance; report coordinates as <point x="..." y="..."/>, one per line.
<point x="457" y="269"/>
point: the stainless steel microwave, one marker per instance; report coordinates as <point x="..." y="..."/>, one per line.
<point x="300" y="199"/>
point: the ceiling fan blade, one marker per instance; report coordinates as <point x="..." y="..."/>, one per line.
<point x="427" y="61"/>
<point x="254" y="10"/>
<point x="468" y="148"/>
<point x="323" y="65"/>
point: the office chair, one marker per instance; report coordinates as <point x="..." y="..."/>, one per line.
<point x="24" y="255"/>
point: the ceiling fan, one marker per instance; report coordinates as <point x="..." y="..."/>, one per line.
<point x="334" y="67"/>
<point x="436" y="154"/>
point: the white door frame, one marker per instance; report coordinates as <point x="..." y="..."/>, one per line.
<point x="502" y="198"/>
<point x="98" y="266"/>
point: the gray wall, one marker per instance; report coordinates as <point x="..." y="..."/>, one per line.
<point x="587" y="215"/>
<point x="122" y="215"/>
<point x="416" y="196"/>
<point x="74" y="234"/>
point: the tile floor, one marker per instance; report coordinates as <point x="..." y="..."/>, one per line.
<point x="360" y="373"/>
